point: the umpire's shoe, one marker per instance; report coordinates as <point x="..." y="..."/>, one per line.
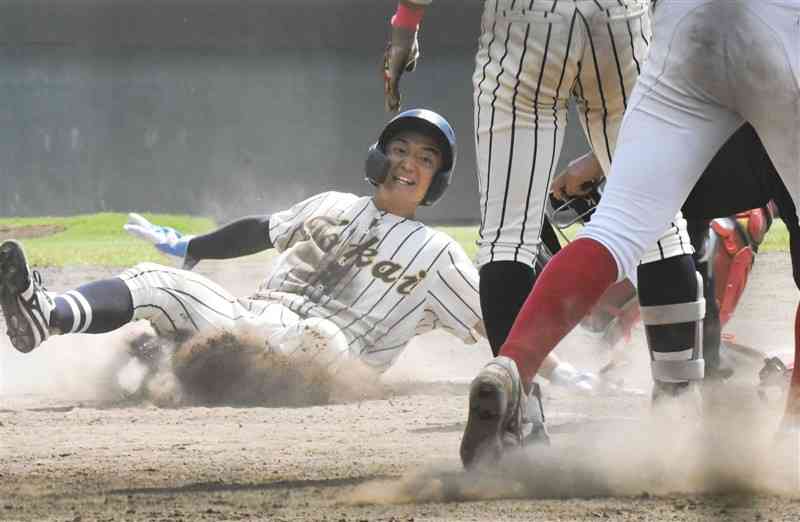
<point x="26" y="304"/>
<point x="499" y="416"/>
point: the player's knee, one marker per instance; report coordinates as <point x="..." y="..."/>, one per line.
<point x="140" y="269"/>
<point x="320" y="341"/>
<point x="667" y="281"/>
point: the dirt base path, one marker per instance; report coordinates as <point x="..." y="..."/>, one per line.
<point x="70" y="450"/>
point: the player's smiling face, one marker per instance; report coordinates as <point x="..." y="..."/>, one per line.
<point x="415" y="159"/>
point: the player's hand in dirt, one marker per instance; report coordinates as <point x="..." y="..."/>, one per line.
<point x="167" y="240"/>
<point x="400" y="56"/>
<point x="578" y="179"/>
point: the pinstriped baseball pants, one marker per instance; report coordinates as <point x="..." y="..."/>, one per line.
<point x="533" y="56"/>
<point x="176" y="300"/>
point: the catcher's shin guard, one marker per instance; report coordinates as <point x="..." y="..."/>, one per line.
<point x="707" y="245"/>
<point x="675" y="337"/>
<point x="733" y="260"/>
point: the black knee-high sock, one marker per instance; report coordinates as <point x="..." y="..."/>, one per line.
<point x="504" y="287"/>
<point x="97" y="307"/>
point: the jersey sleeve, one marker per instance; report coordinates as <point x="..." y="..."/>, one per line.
<point x="454" y="301"/>
<point x="286" y="226"/>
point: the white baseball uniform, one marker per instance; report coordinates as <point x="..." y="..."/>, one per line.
<point x="359" y="279"/>
<point x="714" y="64"/>
<point x="533" y="56"/>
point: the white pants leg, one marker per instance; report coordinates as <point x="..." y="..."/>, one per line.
<point x="695" y="91"/>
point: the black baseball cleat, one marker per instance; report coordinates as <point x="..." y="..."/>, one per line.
<point x="26" y="304"/>
<point x="497" y="406"/>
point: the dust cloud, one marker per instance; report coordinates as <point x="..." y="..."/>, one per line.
<point x="133" y="366"/>
<point x="734" y="447"/>
<point x="70" y="368"/>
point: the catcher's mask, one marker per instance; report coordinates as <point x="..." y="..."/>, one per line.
<point x="428" y="123"/>
<point x="578" y="209"/>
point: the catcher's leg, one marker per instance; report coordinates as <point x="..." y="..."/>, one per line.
<point x="672" y="310"/>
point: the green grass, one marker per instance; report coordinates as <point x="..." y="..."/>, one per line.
<point x="777" y="239"/>
<point x="99" y="240"/>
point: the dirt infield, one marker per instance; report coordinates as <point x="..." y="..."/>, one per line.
<point x="29" y="231"/>
<point x="72" y="449"/>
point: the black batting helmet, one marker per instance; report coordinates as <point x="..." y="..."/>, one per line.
<point x="428" y="123"/>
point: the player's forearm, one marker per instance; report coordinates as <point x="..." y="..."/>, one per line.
<point x="242" y="237"/>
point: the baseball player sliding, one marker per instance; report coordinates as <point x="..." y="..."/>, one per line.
<point x="356" y="278"/>
<point x="714" y="64"/>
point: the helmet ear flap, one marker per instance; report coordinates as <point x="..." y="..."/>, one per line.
<point x="377" y="165"/>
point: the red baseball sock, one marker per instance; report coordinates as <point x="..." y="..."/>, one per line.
<point x="793" y="399"/>
<point x="569" y="286"/>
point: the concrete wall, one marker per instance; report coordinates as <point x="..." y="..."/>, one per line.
<point x="215" y="107"/>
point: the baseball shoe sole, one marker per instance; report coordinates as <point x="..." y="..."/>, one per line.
<point x="26" y="318"/>
<point x="488" y="409"/>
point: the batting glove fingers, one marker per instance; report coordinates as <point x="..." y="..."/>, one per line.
<point x="166" y="239"/>
<point x="401" y="56"/>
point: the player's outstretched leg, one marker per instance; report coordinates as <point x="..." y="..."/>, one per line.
<point x="32" y="314"/>
<point x="26" y="305"/>
<point x="501" y="414"/>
